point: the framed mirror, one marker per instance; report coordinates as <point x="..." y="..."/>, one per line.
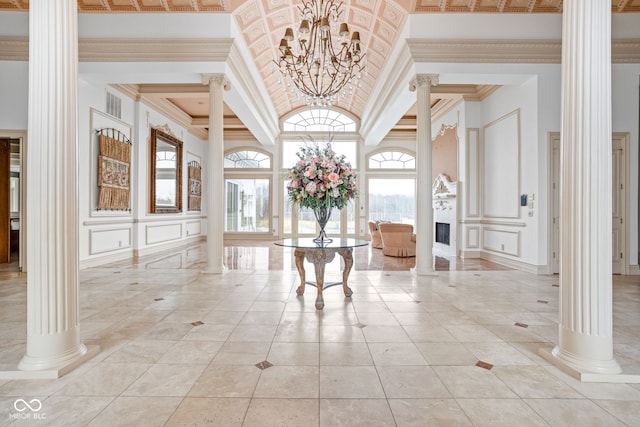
<point x="165" y="167"/>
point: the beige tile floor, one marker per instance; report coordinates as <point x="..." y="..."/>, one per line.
<point x="179" y="348"/>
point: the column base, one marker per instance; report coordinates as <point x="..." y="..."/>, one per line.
<point x="51" y="372"/>
<point x="214" y="270"/>
<point x="613" y="373"/>
<point x="424" y="272"/>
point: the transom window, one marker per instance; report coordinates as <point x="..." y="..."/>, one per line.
<point x="319" y="120"/>
<point x="392" y="160"/>
<point x="247" y="159"/>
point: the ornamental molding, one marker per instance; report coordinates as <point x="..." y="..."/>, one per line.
<point x="443" y="188"/>
<point x="623" y="51"/>
<point x="131" y="50"/>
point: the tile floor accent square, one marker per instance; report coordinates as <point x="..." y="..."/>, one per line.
<point x="263" y="365"/>
<point x="484" y="365"/>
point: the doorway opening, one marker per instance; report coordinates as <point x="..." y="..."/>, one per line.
<point x="12" y="201"/>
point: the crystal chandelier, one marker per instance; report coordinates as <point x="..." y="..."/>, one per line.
<point x="313" y="67"/>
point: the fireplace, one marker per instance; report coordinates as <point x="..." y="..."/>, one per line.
<point x="442" y="233"/>
<point x="445" y="218"/>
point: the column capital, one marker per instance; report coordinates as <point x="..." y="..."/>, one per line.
<point x="423" y="79"/>
<point x="220" y="79"/>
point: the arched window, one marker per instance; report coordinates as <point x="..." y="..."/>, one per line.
<point x="319" y="120"/>
<point x="320" y="125"/>
<point x="391" y="160"/>
<point x="247" y="159"/>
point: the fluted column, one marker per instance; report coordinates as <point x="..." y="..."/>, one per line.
<point x="421" y="84"/>
<point x="215" y="173"/>
<point x="53" y="332"/>
<point x="585" y="330"/>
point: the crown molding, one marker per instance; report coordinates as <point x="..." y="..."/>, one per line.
<point x="131" y="50"/>
<point x="129" y="90"/>
<point x="485" y="51"/>
<point x="154" y="50"/>
<point x="623" y="51"/>
<point x="14" y="49"/>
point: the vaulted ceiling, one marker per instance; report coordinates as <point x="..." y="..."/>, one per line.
<point x="262" y="24"/>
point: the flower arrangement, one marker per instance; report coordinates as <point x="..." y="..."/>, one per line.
<point x="321" y="178"/>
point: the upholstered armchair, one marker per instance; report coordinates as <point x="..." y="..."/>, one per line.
<point x="376" y="240"/>
<point x="398" y="239"/>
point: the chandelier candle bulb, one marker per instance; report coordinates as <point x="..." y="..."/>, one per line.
<point x="344" y="29"/>
<point x="288" y="34"/>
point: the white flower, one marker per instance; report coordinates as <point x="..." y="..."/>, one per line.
<point x="311" y="187"/>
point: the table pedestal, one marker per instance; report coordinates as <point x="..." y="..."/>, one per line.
<point x="319" y="257"/>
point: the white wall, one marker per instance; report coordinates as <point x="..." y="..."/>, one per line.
<point x="14" y="85"/>
<point x="106" y="235"/>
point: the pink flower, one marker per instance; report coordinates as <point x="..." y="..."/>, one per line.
<point x="333" y="177"/>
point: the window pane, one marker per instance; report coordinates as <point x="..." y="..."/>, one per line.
<point x="247" y="159"/>
<point x="247" y="205"/>
<point x="287" y="213"/>
<point x="319" y="120"/>
<point x="351" y="218"/>
<point x="306" y="222"/>
<point x="333" y="226"/>
<point x="392" y="160"/>
<point x="392" y="199"/>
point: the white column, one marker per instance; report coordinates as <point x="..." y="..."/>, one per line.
<point x="215" y="174"/>
<point x="53" y="331"/>
<point x="585" y="330"/>
<point x="424" y="198"/>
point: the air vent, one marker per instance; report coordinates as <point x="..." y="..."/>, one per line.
<point x="114" y="105"/>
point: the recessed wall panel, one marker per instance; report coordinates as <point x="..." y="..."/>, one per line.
<point x="501" y="167"/>
<point x="506" y="242"/>
<point x="101" y="241"/>
<point x="473" y="173"/>
<point x="194" y="228"/>
<point x="163" y="233"/>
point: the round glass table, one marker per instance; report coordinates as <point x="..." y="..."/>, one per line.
<point x="320" y="254"/>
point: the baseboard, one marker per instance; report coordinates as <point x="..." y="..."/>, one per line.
<point x="150" y="250"/>
<point x="106" y="259"/>
<point x="634" y="270"/>
<point x="469" y="254"/>
<point x="517" y="265"/>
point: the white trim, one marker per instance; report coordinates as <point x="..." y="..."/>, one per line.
<point x="517" y="265"/>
